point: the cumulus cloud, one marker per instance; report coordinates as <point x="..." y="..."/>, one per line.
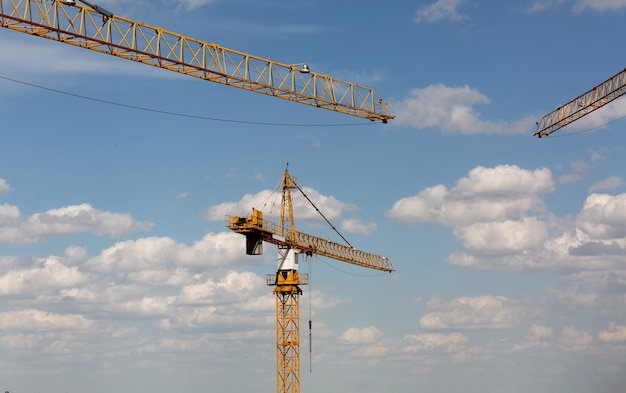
<point x="354" y="225"/>
<point x="430" y="342"/>
<point x="302" y="209"/>
<point x="45" y="275"/>
<point x="65" y="221"/>
<point x="615" y="333"/>
<point x="367" y="335"/>
<point x="603" y="217"/>
<point x="452" y="109"/>
<point x="468" y="313"/>
<point x="38" y="320"/>
<point x="9" y="215"/>
<point x="500" y="219"/>
<point x="501" y="193"/>
<point x="440" y="10"/>
<point x="150" y="253"/>
<point x="573" y="339"/>
<point x="502" y="238"/>
<point x="489" y="212"/>
<point x="5" y="188"/>
<point x="234" y="286"/>
<point x="538" y="337"/>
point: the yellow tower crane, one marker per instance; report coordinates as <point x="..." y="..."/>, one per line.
<point x="92" y="27"/>
<point x="607" y="91"/>
<point x="287" y="280"/>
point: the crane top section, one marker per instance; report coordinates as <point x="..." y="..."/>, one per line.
<point x="93" y="27"/>
<point x="284" y="235"/>
<point x="602" y="94"/>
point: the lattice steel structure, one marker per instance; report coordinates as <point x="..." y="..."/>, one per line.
<point x="602" y="94"/>
<point x="287" y="279"/>
<point x="97" y="29"/>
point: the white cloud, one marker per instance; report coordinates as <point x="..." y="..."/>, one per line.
<point x="452" y="110"/>
<point x="615" y="333"/>
<point x="37" y="320"/>
<point x="505" y="237"/>
<point x="538" y="332"/>
<point x="302" y="209"/>
<point x="5" y="188"/>
<point x="429" y="342"/>
<point x="574" y="297"/>
<point x="9" y="215"/>
<point x="579" y="5"/>
<point x="538" y="337"/>
<point x="66" y="221"/>
<point x="578" y="168"/>
<point x="607" y="184"/>
<point x="501" y="193"/>
<point x="573" y="339"/>
<point x="144" y="307"/>
<point x="481" y="312"/>
<point x="232" y="287"/>
<point x="354" y="225"/>
<point x="181" y="195"/>
<point x="599" y="5"/>
<point x="367" y="335"/>
<point x="440" y="10"/>
<point x="153" y="253"/>
<point x="543" y="5"/>
<point x="603" y="217"/>
<point x="193" y="4"/>
<point x="46" y="275"/>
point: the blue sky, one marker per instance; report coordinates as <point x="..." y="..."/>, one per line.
<point x="117" y="272"/>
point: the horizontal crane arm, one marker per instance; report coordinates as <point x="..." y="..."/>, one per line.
<point x="582" y="105"/>
<point x="101" y="31"/>
<point x="256" y="227"/>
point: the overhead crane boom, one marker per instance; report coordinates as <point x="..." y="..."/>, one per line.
<point x="95" y="28"/>
<point x="287" y="279"/>
<point x="602" y="94"/>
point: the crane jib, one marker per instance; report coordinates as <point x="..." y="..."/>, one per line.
<point x="98" y="29"/>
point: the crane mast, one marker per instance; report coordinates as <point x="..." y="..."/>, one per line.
<point x="93" y="27"/>
<point x="287" y="280"/>
<point x="600" y="95"/>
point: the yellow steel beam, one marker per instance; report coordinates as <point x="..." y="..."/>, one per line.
<point x="602" y="94"/>
<point x="257" y="227"/>
<point x="92" y="29"/>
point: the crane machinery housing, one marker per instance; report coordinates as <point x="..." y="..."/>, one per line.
<point x="287" y="280"/>
<point x="93" y="27"/>
<point x="607" y="91"/>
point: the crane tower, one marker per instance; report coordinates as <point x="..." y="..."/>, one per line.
<point x="287" y="280"/>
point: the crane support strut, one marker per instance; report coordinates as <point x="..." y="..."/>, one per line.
<point x="99" y="30"/>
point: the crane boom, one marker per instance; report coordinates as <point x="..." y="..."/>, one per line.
<point x="94" y="28"/>
<point x="258" y="229"/>
<point x="602" y="94"/>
